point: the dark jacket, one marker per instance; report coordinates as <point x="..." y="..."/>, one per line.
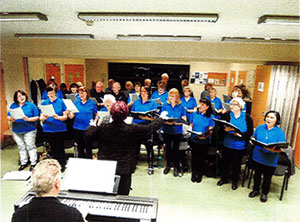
<point x="118" y="141"/>
<point x="46" y="209"/>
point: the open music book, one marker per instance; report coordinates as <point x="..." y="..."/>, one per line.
<point x="133" y="97"/>
<point x="71" y="97"/>
<point x="176" y="120"/>
<point x="70" y="106"/>
<point x="94" y="99"/>
<point x="150" y="113"/>
<point x="225" y="123"/>
<point x="157" y="101"/>
<point x="17" y="113"/>
<point x="277" y="145"/>
<point x="47" y="110"/>
<point x="226" y="106"/>
<point x="206" y="133"/>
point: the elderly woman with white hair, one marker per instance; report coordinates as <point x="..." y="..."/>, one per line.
<point x="234" y="144"/>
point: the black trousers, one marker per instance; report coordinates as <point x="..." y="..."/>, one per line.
<point x="124" y="185"/>
<point x="147" y="140"/>
<point x="267" y="172"/>
<point x="57" y="149"/>
<point x="172" y="148"/>
<point x="84" y="148"/>
<point x="231" y="157"/>
<point x="199" y="152"/>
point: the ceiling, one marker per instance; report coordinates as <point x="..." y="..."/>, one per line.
<point x="237" y="18"/>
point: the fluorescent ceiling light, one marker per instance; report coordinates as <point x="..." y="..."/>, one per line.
<point x="160" y="37"/>
<point x="54" y="36"/>
<point x="147" y="17"/>
<point x="21" y="16"/>
<point x="260" y="40"/>
<point x="279" y="20"/>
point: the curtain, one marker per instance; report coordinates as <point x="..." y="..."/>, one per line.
<point x="283" y="95"/>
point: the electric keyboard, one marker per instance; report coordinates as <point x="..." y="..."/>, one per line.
<point x="97" y="207"/>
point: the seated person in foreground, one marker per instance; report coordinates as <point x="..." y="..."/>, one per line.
<point x="45" y="207"/>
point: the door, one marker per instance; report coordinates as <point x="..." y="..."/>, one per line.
<point x="4" y="122"/>
<point x="231" y="81"/>
<point x="260" y="94"/>
<point x="53" y="69"/>
<point x="73" y="74"/>
<point x="242" y="78"/>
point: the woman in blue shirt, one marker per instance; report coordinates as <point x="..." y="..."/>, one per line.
<point x="201" y="121"/>
<point x="144" y="104"/>
<point x="215" y="100"/>
<point x="172" y="131"/>
<point x="188" y="102"/>
<point x="87" y="111"/>
<point x="234" y="144"/>
<point x="53" y="84"/>
<point x="74" y="90"/>
<point x="24" y="130"/>
<point x="54" y="126"/>
<point x="161" y="93"/>
<point x="265" y="160"/>
<point x="137" y="91"/>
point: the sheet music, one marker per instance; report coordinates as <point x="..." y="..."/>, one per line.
<point x="157" y="100"/>
<point x="70" y="106"/>
<point x="94" y="99"/>
<point x="17" y="175"/>
<point x="90" y="175"/>
<point x="17" y="113"/>
<point x="47" y="110"/>
<point x="71" y="97"/>
<point x="133" y="97"/>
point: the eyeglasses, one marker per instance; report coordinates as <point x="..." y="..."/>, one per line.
<point x="234" y="104"/>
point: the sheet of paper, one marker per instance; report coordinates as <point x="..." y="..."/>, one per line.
<point x="70" y="106"/>
<point x="17" y="113"/>
<point x="71" y="97"/>
<point x="17" y="175"/>
<point x="90" y="175"/>
<point x="47" y="110"/>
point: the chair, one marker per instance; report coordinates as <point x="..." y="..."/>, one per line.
<point x="284" y="168"/>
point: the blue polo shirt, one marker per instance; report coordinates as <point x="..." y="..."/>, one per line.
<point x="264" y="135"/>
<point x="217" y="101"/>
<point x="175" y="112"/>
<point x="138" y="105"/>
<point x="59" y="95"/>
<point x="86" y="113"/>
<point x="235" y="142"/>
<point x="52" y="125"/>
<point x="20" y="125"/>
<point x="163" y="97"/>
<point x="201" y="123"/>
<point x="190" y="104"/>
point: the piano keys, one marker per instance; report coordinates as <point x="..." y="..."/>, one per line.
<point x="97" y="207"/>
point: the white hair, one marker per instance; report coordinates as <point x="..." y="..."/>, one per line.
<point x="240" y="101"/>
<point x="44" y="176"/>
<point x="109" y="97"/>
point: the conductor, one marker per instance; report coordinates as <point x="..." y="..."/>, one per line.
<point x="45" y="207"/>
<point x="118" y="141"/>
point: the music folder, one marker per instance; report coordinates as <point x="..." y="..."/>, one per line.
<point x="277" y="145"/>
<point x="88" y="175"/>
<point x="150" y="113"/>
<point x="176" y="120"/>
<point x="225" y="123"/>
<point x="206" y="133"/>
